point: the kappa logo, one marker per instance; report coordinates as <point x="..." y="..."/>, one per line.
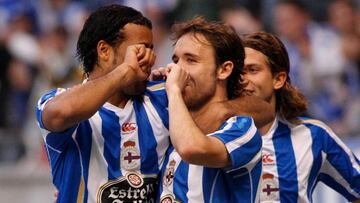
<point x="128" y="127"/>
<point x="267" y="159"/>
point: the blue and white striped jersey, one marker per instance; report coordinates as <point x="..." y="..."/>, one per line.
<point x="114" y="156"/>
<point x="183" y="182"/>
<point x="296" y="157"/>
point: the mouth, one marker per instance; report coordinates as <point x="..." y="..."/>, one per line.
<point x="248" y="92"/>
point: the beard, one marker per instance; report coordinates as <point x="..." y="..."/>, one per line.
<point x="196" y="99"/>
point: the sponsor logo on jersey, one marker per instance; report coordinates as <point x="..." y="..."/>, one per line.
<point x="169" y="173"/>
<point x="128" y="128"/>
<point x="130" y="156"/>
<point x="269" y="188"/>
<point x="267" y="159"/>
<point x="131" y="188"/>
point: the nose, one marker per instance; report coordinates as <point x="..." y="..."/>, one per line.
<point x="243" y="79"/>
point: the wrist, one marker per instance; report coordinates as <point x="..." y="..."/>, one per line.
<point x="173" y="91"/>
<point x="120" y="76"/>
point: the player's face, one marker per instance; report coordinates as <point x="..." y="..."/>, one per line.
<point x="258" y="76"/>
<point x="134" y="34"/>
<point x="196" y="56"/>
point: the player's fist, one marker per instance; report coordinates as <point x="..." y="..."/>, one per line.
<point x="177" y="78"/>
<point x="140" y="59"/>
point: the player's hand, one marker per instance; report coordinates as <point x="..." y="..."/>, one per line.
<point x="139" y="60"/>
<point x="177" y="78"/>
<point x="159" y="74"/>
<point x="146" y="57"/>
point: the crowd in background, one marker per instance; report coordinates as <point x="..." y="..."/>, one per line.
<point x="38" y="52"/>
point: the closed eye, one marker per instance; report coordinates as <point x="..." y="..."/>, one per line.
<point x="251" y="70"/>
<point x="190" y="60"/>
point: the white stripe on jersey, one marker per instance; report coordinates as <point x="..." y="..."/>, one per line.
<point x="269" y="149"/>
<point x="302" y="144"/>
<point x="170" y="189"/>
<point x="237" y="143"/>
<point x="228" y="125"/>
<point x="195" y="192"/>
<point x="158" y="129"/>
<point x="354" y="163"/>
<point x="97" y="152"/>
<point x="329" y="169"/>
<point x="126" y="115"/>
<point x="81" y="191"/>
<point x="58" y="151"/>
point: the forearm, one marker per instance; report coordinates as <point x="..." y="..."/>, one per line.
<point x="81" y="101"/>
<point x="192" y="145"/>
<point x="262" y="112"/>
<point x="356" y="201"/>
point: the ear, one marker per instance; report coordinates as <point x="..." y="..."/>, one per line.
<point x="225" y="70"/>
<point x="279" y="80"/>
<point x="103" y="50"/>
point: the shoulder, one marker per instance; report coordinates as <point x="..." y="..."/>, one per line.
<point x="154" y="86"/>
<point x="318" y="130"/>
<point x="314" y="123"/>
<point x="156" y="92"/>
<point x="238" y="124"/>
<point x="50" y="94"/>
<point x="46" y="97"/>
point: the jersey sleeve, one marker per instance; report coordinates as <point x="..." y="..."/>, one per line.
<point x="242" y="141"/>
<point x="341" y="168"/>
<point x="55" y="141"/>
<point x="157" y="94"/>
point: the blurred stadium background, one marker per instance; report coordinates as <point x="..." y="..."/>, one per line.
<point x="37" y="52"/>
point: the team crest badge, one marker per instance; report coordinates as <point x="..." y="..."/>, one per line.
<point x="130" y="156"/>
<point x="169" y="173"/>
<point x="169" y="198"/>
<point x="269" y="188"/>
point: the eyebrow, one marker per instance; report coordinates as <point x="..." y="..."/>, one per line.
<point x="252" y="65"/>
<point x="186" y="54"/>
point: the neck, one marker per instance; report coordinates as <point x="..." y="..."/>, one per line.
<point x="118" y="100"/>
<point x="265" y="128"/>
<point x="219" y="96"/>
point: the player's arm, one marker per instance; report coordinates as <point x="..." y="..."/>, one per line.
<point x="356" y="201"/>
<point x="193" y="145"/>
<point x="341" y="168"/>
<point x="259" y="110"/>
<point x="262" y="112"/>
<point x="82" y="101"/>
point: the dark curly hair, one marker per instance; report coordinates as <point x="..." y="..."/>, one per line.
<point x="226" y="43"/>
<point x="106" y="24"/>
